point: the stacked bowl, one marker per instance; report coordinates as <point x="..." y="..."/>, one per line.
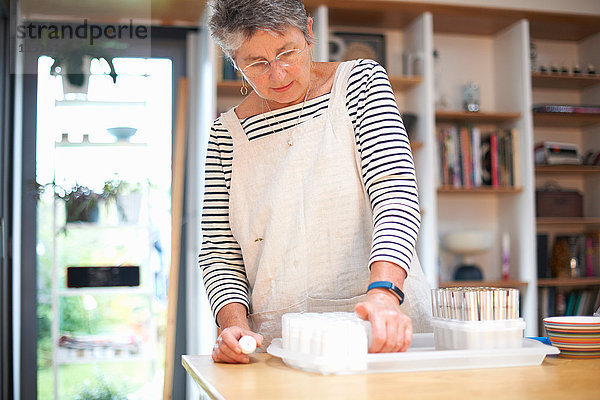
<point x="576" y="337"/>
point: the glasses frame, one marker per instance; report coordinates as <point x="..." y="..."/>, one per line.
<point x="269" y="63"/>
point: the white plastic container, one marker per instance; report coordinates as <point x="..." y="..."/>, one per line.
<point x="453" y="334"/>
<point x="333" y="341"/>
<point x="422" y="356"/>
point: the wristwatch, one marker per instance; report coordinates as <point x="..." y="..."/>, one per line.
<point x="389" y="286"/>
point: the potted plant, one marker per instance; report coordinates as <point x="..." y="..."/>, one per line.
<point x="127" y="197"/>
<point x="74" y="67"/>
<point x="81" y="203"/>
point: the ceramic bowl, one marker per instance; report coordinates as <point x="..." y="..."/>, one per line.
<point x="576" y="336"/>
<point x="122" y="132"/>
<point x="469" y="242"/>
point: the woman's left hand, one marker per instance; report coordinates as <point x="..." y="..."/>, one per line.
<point x="391" y="329"/>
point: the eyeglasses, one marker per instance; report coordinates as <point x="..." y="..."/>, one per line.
<point x="284" y="59"/>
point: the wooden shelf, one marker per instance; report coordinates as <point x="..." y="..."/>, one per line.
<point x="595" y="281"/>
<point x="402" y="83"/>
<point x="109" y="290"/>
<point x="230" y="88"/>
<point x="479" y="190"/>
<point x="416" y="145"/>
<point x="456" y="18"/>
<point x="118" y="143"/>
<point x="562" y="120"/>
<point x="98" y="103"/>
<point x="475" y="117"/>
<point x="567" y="169"/>
<point x="502" y="284"/>
<point x="568" y="221"/>
<point x="555" y="81"/>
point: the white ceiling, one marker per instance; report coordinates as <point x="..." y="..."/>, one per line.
<point x="156" y="12"/>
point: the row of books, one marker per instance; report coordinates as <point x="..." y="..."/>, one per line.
<point x="571" y="255"/>
<point x="554" y="301"/>
<point x="470" y="158"/>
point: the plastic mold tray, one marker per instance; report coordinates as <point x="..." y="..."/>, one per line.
<point x="422" y="356"/>
<point x="469" y="335"/>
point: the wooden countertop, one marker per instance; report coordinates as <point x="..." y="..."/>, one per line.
<point x="267" y="377"/>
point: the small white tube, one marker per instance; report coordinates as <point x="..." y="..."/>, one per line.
<point x="248" y="344"/>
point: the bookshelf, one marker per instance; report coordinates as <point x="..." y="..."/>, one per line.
<point x="402" y="83"/>
<point x="475" y="117"/>
<point x="569" y="282"/>
<point x="471" y="57"/>
<point x="551" y="120"/>
<point x="489" y="45"/>
<point x="583" y="221"/>
<point x="555" y="81"/>
<point x="230" y="88"/>
<point x="577" y="295"/>
<point x="567" y="169"/>
<point x="479" y="190"/>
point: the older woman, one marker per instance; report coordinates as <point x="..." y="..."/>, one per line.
<point x="310" y="194"/>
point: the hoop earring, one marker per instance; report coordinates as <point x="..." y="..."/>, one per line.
<point x="243" y="89"/>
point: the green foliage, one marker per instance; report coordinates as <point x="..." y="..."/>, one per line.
<point x="99" y="390"/>
<point x="44" y="343"/>
<point x="74" y="318"/>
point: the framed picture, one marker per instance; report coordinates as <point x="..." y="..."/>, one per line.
<point x="344" y="46"/>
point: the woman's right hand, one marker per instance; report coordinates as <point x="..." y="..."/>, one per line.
<point x="227" y="348"/>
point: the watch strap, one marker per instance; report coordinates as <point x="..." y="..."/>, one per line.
<point x="389" y="286"/>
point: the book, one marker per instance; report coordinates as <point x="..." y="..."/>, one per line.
<point x="577" y="303"/>
<point x="560" y="303"/>
<point x="584" y="303"/>
<point x="465" y="156"/>
<point x="552" y="294"/>
<point x="589" y="256"/>
<point x="543" y="260"/>
<point x="476" y="150"/>
<point x="494" y="159"/>
<point x="442" y="172"/>
<point x="570" y="304"/>
<point x="502" y="159"/>
<point x="593" y="253"/>
<point x="597" y="302"/>
<point x="486" y="160"/>
<point x="454" y="162"/>
<point x="516" y="172"/>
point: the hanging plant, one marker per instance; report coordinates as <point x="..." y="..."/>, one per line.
<point x="74" y="65"/>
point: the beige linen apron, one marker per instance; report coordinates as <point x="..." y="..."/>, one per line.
<point x="303" y="219"/>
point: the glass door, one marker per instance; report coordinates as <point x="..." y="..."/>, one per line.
<point x="103" y="175"/>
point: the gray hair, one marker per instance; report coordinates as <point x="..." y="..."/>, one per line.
<point x="231" y="22"/>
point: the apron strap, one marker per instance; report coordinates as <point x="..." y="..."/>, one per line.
<point x="232" y="123"/>
<point x="337" y="100"/>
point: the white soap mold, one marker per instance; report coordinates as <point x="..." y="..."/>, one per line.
<point x="453" y="334"/>
<point x="334" y="341"/>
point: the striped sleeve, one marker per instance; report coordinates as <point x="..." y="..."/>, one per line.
<point x="220" y="258"/>
<point x="387" y="165"/>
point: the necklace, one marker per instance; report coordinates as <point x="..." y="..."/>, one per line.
<point x="290" y="141"/>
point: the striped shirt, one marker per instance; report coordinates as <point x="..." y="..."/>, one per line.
<point x="387" y="171"/>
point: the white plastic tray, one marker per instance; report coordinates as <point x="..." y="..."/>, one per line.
<point x="422" y="356"/>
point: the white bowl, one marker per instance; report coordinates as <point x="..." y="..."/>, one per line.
<point x="469" y="242"/>
<point x="122" y="132"/>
